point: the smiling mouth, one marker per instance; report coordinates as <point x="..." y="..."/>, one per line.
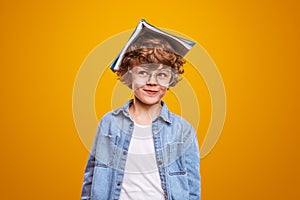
<point x="151" y="92"/>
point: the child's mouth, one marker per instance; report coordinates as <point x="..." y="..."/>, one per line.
<point x="150" y="92"/>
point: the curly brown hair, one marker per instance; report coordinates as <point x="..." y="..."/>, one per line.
<point x="151" y="49"/>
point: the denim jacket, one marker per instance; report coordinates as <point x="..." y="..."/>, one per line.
<point x="176" y="151"/>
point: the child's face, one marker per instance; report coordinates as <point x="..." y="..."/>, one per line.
<point x="150" y="83"/>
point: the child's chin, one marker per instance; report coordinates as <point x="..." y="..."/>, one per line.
<point x="150" y="101"/>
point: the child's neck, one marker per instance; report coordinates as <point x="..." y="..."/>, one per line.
<point x="142" y="113"/>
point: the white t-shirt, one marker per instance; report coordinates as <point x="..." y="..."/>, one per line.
<point x="141" y="176"/>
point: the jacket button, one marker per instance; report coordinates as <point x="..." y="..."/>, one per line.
<point x="118" y="183"/>
<point x="124" y="153"/>
<point x="160" y="162"/>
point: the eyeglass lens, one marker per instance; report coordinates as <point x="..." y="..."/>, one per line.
<point x="162" y="76"/>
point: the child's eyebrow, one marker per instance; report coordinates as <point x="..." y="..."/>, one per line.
<point x="165" y="69"/>
<point x="144" y="66"/>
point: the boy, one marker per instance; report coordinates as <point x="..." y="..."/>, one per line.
<point x="142" y="150"/>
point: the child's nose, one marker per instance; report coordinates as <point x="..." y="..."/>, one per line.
<point x="152" y="79"/>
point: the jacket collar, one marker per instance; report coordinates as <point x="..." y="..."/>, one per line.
<point x="164" y="112"/>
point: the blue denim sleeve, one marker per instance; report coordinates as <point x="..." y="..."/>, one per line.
<point x="89" y="172"/>
<point x="88" y="177"/>
<point x="193" y="168"/>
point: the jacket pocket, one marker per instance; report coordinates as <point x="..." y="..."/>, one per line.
<point x="177" y="168"/>
<point x="106" y="150"/>
<point x="178" y="180"/>
<point x="102" y="181"/>
<point x="175" y="153"/>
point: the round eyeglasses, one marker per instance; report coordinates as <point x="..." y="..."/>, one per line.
<point x="146" y="75"/>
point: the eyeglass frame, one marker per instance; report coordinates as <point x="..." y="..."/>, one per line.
<point x="172" y="79"/>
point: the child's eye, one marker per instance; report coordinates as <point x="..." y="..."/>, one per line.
<point x="144" y="73"/>
<point x="162" y="74"/>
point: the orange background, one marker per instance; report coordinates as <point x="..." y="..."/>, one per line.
<point x="255" y="45"/>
